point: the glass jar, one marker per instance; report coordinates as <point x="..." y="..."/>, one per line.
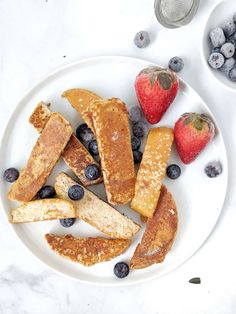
<point x="175" y="13"/>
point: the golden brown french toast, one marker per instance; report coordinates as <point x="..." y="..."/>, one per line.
<point x="110" y="119"/>
<point x="45" y="209"/>
<point x="87" y="251"/>
<point x="159" y="235"/>
<point x="43" y="158"/>
<point x="75" y="154"/>
<point x="81" y="99"/>
<point x="96" y="212"/>
<point x="152" y="170"/>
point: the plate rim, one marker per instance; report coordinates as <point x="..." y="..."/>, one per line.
<point x="20" y="104"/>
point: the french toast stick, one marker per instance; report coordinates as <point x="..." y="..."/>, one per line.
<point x="75" y="154"/>
<point x="159" y="234"/>
<point x="87" y="251"/>
<point x="152" y="170"/>
<point x="96" y="212"/>
<point x="43" y="158"/>
<point x="110" y="119"/>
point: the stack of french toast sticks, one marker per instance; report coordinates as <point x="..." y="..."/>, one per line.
<point x="108" y="119"/>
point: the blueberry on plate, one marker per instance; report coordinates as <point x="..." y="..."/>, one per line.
<point x="228" y="65"/>
<point x="46" y="191"/>
<point x="228" y="50"/>
<point x="176" y="64"/>
<point x="140" y="129"/>
<point x="92" y="172"/>
<point x="142" y="39"/>
<point x="121" y="270"/>
<point x="213" y="169"/>
<point x="135" y="114"/>
<point x="75" y="192"/>
<point x="93" y="148"/>
<point x="173" y="171"/>
<point x="216" y="60"/>
<point x="11" y="175"/>
<point x="217" y="37"/>
<point x="137" y="156"/>
<point x="229" y="28"/>
<point x="232" y="74"/>
<point x="67" y="222"/>
<point x="135" y="142"/>
<point x="84" y="133"/>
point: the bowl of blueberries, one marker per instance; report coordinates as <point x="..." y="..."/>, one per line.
<point x="219" y="43"/>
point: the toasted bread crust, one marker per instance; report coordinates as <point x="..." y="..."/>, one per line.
<point x="45" y="209"/>
<point x="152" y="170"/>
<point x="96" y="212"/>
<point x="87" y="251"/>
<point x="43" y="158"/>
<point x="110" y="119"/>
<point x="75" y="154"/>
<point x="159" y="234"/>
<point x="81" y="99"/>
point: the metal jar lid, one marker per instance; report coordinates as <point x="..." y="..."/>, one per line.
<point x="175" y="13"/>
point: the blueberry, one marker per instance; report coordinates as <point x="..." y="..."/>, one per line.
<point x="75" y="192"/>
<point x="121" y="270"/>
<point x="67" y="222"/>
<point x="173" y="171"/>
<point x="140" y="129"/>
<point x="46" y="191"/>
<point x="142" y="39"/>
<point x="93" y="148"/>
<point x="84" y="133"/>
<point x="232" y="74"/>
<point x="217" y="37"/>
<point x="216" y="60"/>
<point x="213" y="169"/>
<point x="176" y="64"/>
<point x="92" y="172"/>
<point x="228" y="65"/>
<point x="229" y="28"/>
<point x="228" y="50"/>
<point x="137" y="156"/>
<point x="135" y="142"/>
<point x="234" y="17"/>
<point x="11" y="175"/>
<point x="135" y="114"/>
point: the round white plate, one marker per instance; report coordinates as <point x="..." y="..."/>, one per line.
<point x="198" y="198"/>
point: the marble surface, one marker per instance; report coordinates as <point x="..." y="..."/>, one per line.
<point x="38" y="36"/>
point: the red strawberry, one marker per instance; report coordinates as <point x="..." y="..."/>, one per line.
<point x="156" y="89"/>
<point x="192" y="132"/>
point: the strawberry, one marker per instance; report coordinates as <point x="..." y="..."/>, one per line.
<point x="156" y="89"/>
<point x="192" y="133"/>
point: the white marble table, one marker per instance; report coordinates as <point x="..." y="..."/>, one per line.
<point x="38" y="36"/>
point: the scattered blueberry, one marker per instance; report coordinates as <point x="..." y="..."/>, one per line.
<point x="84" y="133"/>
<point x="228" y="50"/>
<point x="232" y="74"/>
<point x="176" y="64"/>
<point x="135" y="114"/>
<point x="216" y="60"/>
<point x="173" y="171"/>
<point x="46" y="191"/>
<point x="92" y="172"/>
<point x="93" y="148"/>
<point x="137" y="156"/>
<point x="140" y="129"/>
<point x="11" y="175"/>
<point x="213" y="169"/>
<point x="142" y="39"/>
<point x="135" y="142"/>
<point x="229" y="28"/>
<point x="228" y="65"/>
<point x="67" y="222"/>
<point x="75" y="192"/>
<point x="121" y="270"/>
<point x="217" y="37"/>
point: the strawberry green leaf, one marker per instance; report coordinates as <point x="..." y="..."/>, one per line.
<point x="188" y="120"/>
<point x="198" y="124"/>
<point x="165" y="80"/>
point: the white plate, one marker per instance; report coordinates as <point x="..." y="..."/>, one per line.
<point x="198" y="198"/>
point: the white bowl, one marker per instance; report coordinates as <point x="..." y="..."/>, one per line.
<point x="220" y="13"/>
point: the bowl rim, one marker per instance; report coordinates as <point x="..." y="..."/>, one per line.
<point x="204" y="60"/>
